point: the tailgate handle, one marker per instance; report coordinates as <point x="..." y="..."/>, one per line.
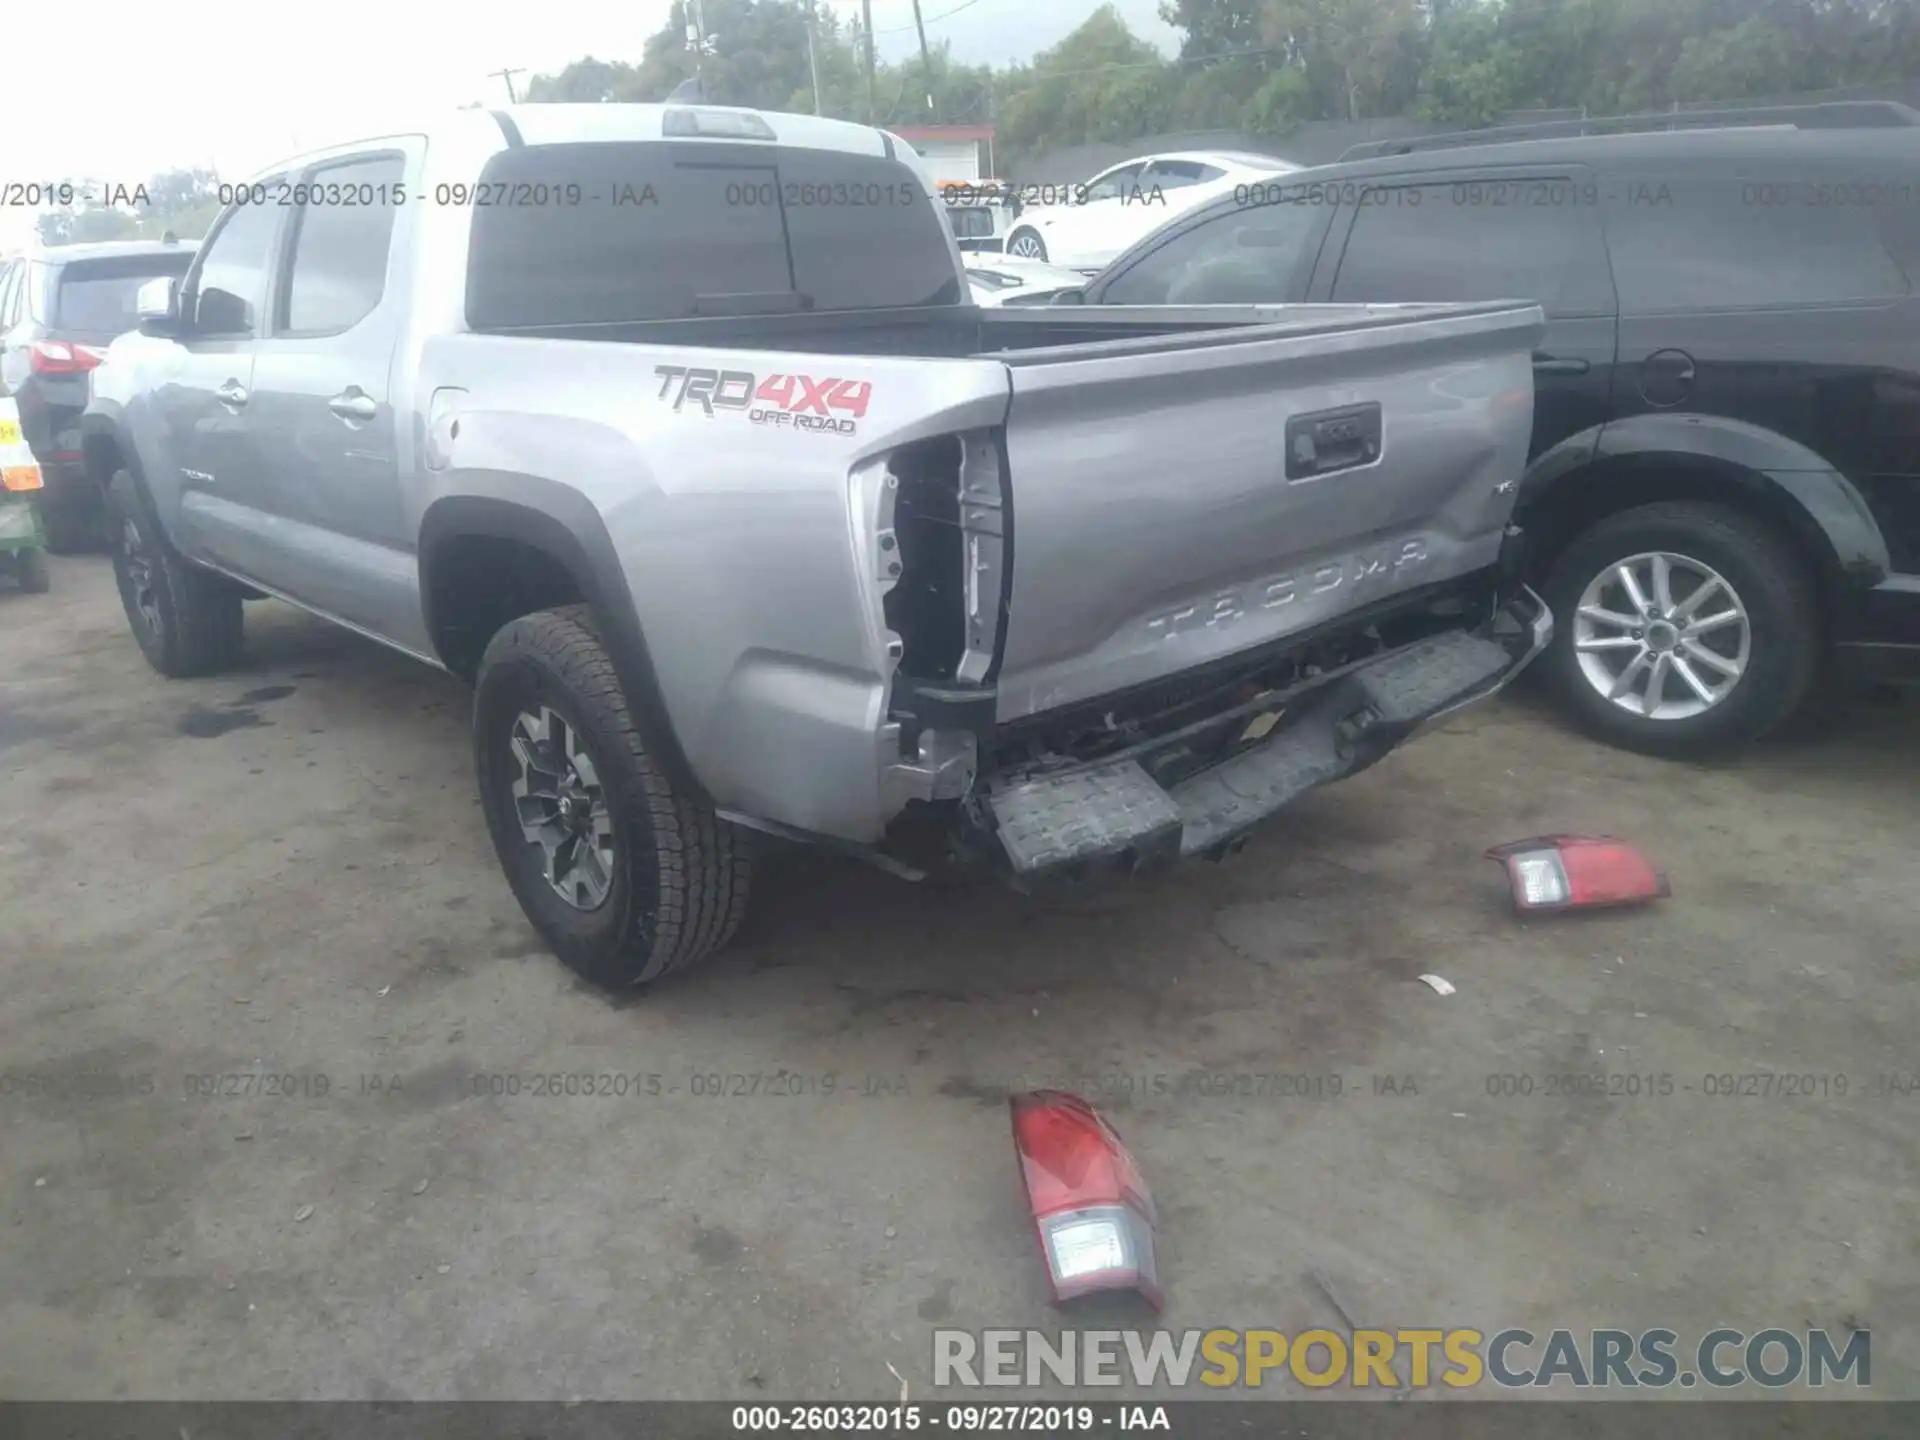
<point x="1330" y="440"/>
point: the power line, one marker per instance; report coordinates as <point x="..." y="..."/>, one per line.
<point x="931" y="19"/>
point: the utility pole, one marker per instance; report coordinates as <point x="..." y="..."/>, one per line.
<point x="813" y="58"/>
<point x="926" y="63"/>
<point x="699" y="38"/>
<point x="866" y="34"/>
<point x="507" y="75"/>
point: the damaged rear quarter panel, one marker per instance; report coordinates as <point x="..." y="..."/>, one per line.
<point x="747" y="545"/>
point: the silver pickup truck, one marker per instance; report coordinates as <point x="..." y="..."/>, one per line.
<point x="672" y="429"/>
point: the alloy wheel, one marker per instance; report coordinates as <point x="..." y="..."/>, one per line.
<point x="138" y="561"/>
<point x="1662" y="636"/>
<point x="562" y="807"/>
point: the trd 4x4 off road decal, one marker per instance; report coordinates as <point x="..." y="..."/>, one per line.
<point x="799" y="402"/>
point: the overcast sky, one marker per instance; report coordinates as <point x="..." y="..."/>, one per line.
<point x="155" y="87"/>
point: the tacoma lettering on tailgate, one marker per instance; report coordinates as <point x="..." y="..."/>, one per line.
<point x="799" y="402"/>
<point x="1362" y="568"/>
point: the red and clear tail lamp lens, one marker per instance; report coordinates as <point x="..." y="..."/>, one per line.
<point x="1577" y="872"/>
<point x="1092" y="1213"/>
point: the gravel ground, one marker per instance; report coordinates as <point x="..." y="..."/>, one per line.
<point x="284" y="872"/>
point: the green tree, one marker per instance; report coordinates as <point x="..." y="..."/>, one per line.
<point x="1214" y="27"/>
<point x="1360" y="57"/>
<point x="1102" y="82"/>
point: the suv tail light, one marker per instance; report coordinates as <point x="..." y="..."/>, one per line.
<point x="57" y="357"/>
<point x="1092" y="1214"/>
<point x="1574" y="872"/>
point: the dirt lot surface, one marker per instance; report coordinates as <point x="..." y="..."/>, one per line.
<point x="284" y="873"/>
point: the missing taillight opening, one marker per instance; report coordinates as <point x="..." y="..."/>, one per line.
<point x="950" y="523"/>
<point x="925" y="606"/>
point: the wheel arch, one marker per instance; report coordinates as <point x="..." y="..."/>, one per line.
<point x="1621" y="466"/>
<point x="565" y="555"/>
<point x="105" y="445"/>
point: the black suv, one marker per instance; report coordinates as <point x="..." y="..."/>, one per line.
<point x="58" y="310"/>
<point x="1725" y="474"/>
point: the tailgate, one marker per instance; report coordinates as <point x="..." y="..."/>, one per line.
<point x="1180" y="499"/>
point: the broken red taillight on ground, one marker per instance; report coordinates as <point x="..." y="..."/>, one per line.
<point x="1091" y="1210"/>
<point x="1578" y="872"/>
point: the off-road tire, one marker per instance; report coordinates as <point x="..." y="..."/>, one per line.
<point x="681" y="874"/>
<point x="30" y="569"/>
<point x="1774" y="585"/>
<point x="200" y="619"/>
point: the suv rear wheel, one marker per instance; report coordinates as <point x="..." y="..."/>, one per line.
<point x="1681" y="629"/>
<point x="626" y="877"/>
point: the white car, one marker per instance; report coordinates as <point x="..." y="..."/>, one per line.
<point x="1008" y="280"/>
<point x="1121" y="205"/>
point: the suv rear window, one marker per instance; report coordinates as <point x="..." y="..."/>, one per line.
<point x="95" y="297"/>
<point x="621" y="232"/>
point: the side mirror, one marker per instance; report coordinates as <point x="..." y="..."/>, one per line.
<point x="157" y="305"/>
<point x="1069" y="297"/>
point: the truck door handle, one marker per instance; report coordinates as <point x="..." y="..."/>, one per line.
<point x="1544" y="364"/>
<point x="353" y="404"/>
<point x="232" y="394"/>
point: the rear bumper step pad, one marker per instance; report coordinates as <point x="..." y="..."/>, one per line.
<point x="1116" y="811"/>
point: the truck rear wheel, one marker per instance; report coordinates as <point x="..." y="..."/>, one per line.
<point x="187" y="620"/>
<point x="626" y="877"/>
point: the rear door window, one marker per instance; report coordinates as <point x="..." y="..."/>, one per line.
<point x="614" y="232"/>
<point x="340" y="245"/>
<point x="1243" y="255"/>
<point x="1489" y="237"/>
<point x="1683" y="242"/>
<point x="95" y="298"/>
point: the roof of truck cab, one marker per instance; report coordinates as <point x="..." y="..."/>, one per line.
<point x="579" y="124"/>
<point x="110" y="250"/>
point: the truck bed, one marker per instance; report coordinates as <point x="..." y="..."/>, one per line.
<point x="956" y="332"/>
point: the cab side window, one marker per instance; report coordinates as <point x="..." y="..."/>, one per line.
<point x="230" y="285"/>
